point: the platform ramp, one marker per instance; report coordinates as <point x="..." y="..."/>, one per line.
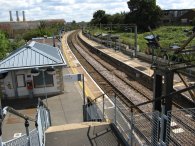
<point x="83" y="134"/>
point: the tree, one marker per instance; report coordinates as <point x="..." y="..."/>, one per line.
<point x="4" y="45"/>
<point x="100" y="16"/>
<point x="118" y="18"/>
<point x="144" y="13"/>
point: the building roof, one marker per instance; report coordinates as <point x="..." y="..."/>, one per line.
<point x="33" y="55"/>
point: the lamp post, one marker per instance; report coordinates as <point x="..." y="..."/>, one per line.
<point x="36" y="72"/>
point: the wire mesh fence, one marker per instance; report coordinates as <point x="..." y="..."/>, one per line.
<point x="36" y="136"/>
<point x="181" y="127"/>
<point x="174" y="128"/>
<point x="23" y="140"/>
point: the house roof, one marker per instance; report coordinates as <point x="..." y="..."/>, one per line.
<point x="33" y="55"/>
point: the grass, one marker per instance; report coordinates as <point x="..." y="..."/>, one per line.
<point x="169" y="35"/>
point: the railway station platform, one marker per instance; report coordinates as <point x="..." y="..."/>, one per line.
<point x="68" y="127"/>
<point x="65" y="108"/>
<point x="135" y="63"/>
<point x="66" y="111"/>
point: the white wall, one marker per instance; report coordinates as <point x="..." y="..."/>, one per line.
<point x="8" y="84"/>
<point x="23" y="91"/>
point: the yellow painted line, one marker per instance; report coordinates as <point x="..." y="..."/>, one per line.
<point x="87" y="90"/>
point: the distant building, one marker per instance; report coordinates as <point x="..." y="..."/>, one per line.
<point x="17" y="27"/>
<point x="17" y="79"/>
<point x="178" y="16"/>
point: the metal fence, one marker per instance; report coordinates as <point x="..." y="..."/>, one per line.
<point x="175" y="128"/>
<point x="24" y="140"/>
<point x="181" y="129"/>
<point x="43" y="121"/>
<point x="36" y="136"/>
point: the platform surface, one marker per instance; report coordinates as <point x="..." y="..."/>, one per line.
<point x="82" y="134"/>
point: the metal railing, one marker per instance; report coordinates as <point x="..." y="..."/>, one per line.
<point x="145" y="128"/>
<point x="34" y="137"/>
<point x="182" y="127"/>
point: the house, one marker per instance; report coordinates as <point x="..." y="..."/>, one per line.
<point x="177" y="16"/>
<point x="17" y="77"/>
<point x="188" y="17"/>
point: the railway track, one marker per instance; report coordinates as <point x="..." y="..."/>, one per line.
<point x="120" y="86"/>
<point x="108" y="77"/>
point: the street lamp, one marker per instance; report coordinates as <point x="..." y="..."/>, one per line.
<point x="36" y="72"/>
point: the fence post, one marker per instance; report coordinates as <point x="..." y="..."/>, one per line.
<point x="163" y="126"/>
<point x="103" y="106"/>
<point x="49" y="116"/>
<point x="115" y="109"/>
<point x="36" y="125"/>
<point x="131" y="136"/>
<point x="27" y="131"/>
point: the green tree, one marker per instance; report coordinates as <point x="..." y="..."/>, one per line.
<point x="144" y="13"/>
<point x="100" y="17"/>
<point x="118" y="18"/>
<point x="4" y="45"/>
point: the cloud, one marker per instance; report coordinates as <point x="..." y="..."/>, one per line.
<point x="79" y="10"/>
<point x="176" y="4"/>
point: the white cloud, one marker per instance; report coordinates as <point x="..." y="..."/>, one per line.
<point x="176" y="4"/>
<point x="79" y="10"/>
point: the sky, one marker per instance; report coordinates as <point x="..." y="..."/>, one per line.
<point x="78" y="10"/>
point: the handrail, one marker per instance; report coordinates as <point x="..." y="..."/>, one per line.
<point x="101" y="96"/>
<point x="13" y="111"/>
<point x="165" y="96"/>
<point x="156" y="99"/>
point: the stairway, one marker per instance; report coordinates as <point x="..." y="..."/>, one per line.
<point x="82" y="134"/>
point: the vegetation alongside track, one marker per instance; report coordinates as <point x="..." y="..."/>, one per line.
<point x="169" y="35"/>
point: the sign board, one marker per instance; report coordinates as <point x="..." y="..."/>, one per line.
<point x="72" y="77"/>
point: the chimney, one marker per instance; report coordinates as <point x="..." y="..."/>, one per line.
<point x="10" y="15"/>
<point x="17" y="16"/>
<point x="23" y="13"/>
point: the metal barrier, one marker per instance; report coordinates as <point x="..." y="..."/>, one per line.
<point x="24" y="140"/>
<point x="146" y="128"/>
<point x="36" y="136"/>
<point x="182" y="127"/>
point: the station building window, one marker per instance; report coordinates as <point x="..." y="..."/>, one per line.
<point x="38" y="80"/>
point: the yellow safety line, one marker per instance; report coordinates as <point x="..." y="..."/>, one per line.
<point x="87" y="90"/>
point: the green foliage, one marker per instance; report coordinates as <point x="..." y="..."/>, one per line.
<point x="41" y="31"/>
<point x="193" y="21"/>
<point x="143" y="13"/>
<point x="4" y="45"/>
<point x="99" y="17"/>
<point x="17" y="43"/>
<point x="169" y="35"/>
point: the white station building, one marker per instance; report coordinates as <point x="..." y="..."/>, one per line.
<point x="18" y="78"/>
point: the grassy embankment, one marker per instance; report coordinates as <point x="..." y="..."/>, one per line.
<point x="169" y="35"/>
